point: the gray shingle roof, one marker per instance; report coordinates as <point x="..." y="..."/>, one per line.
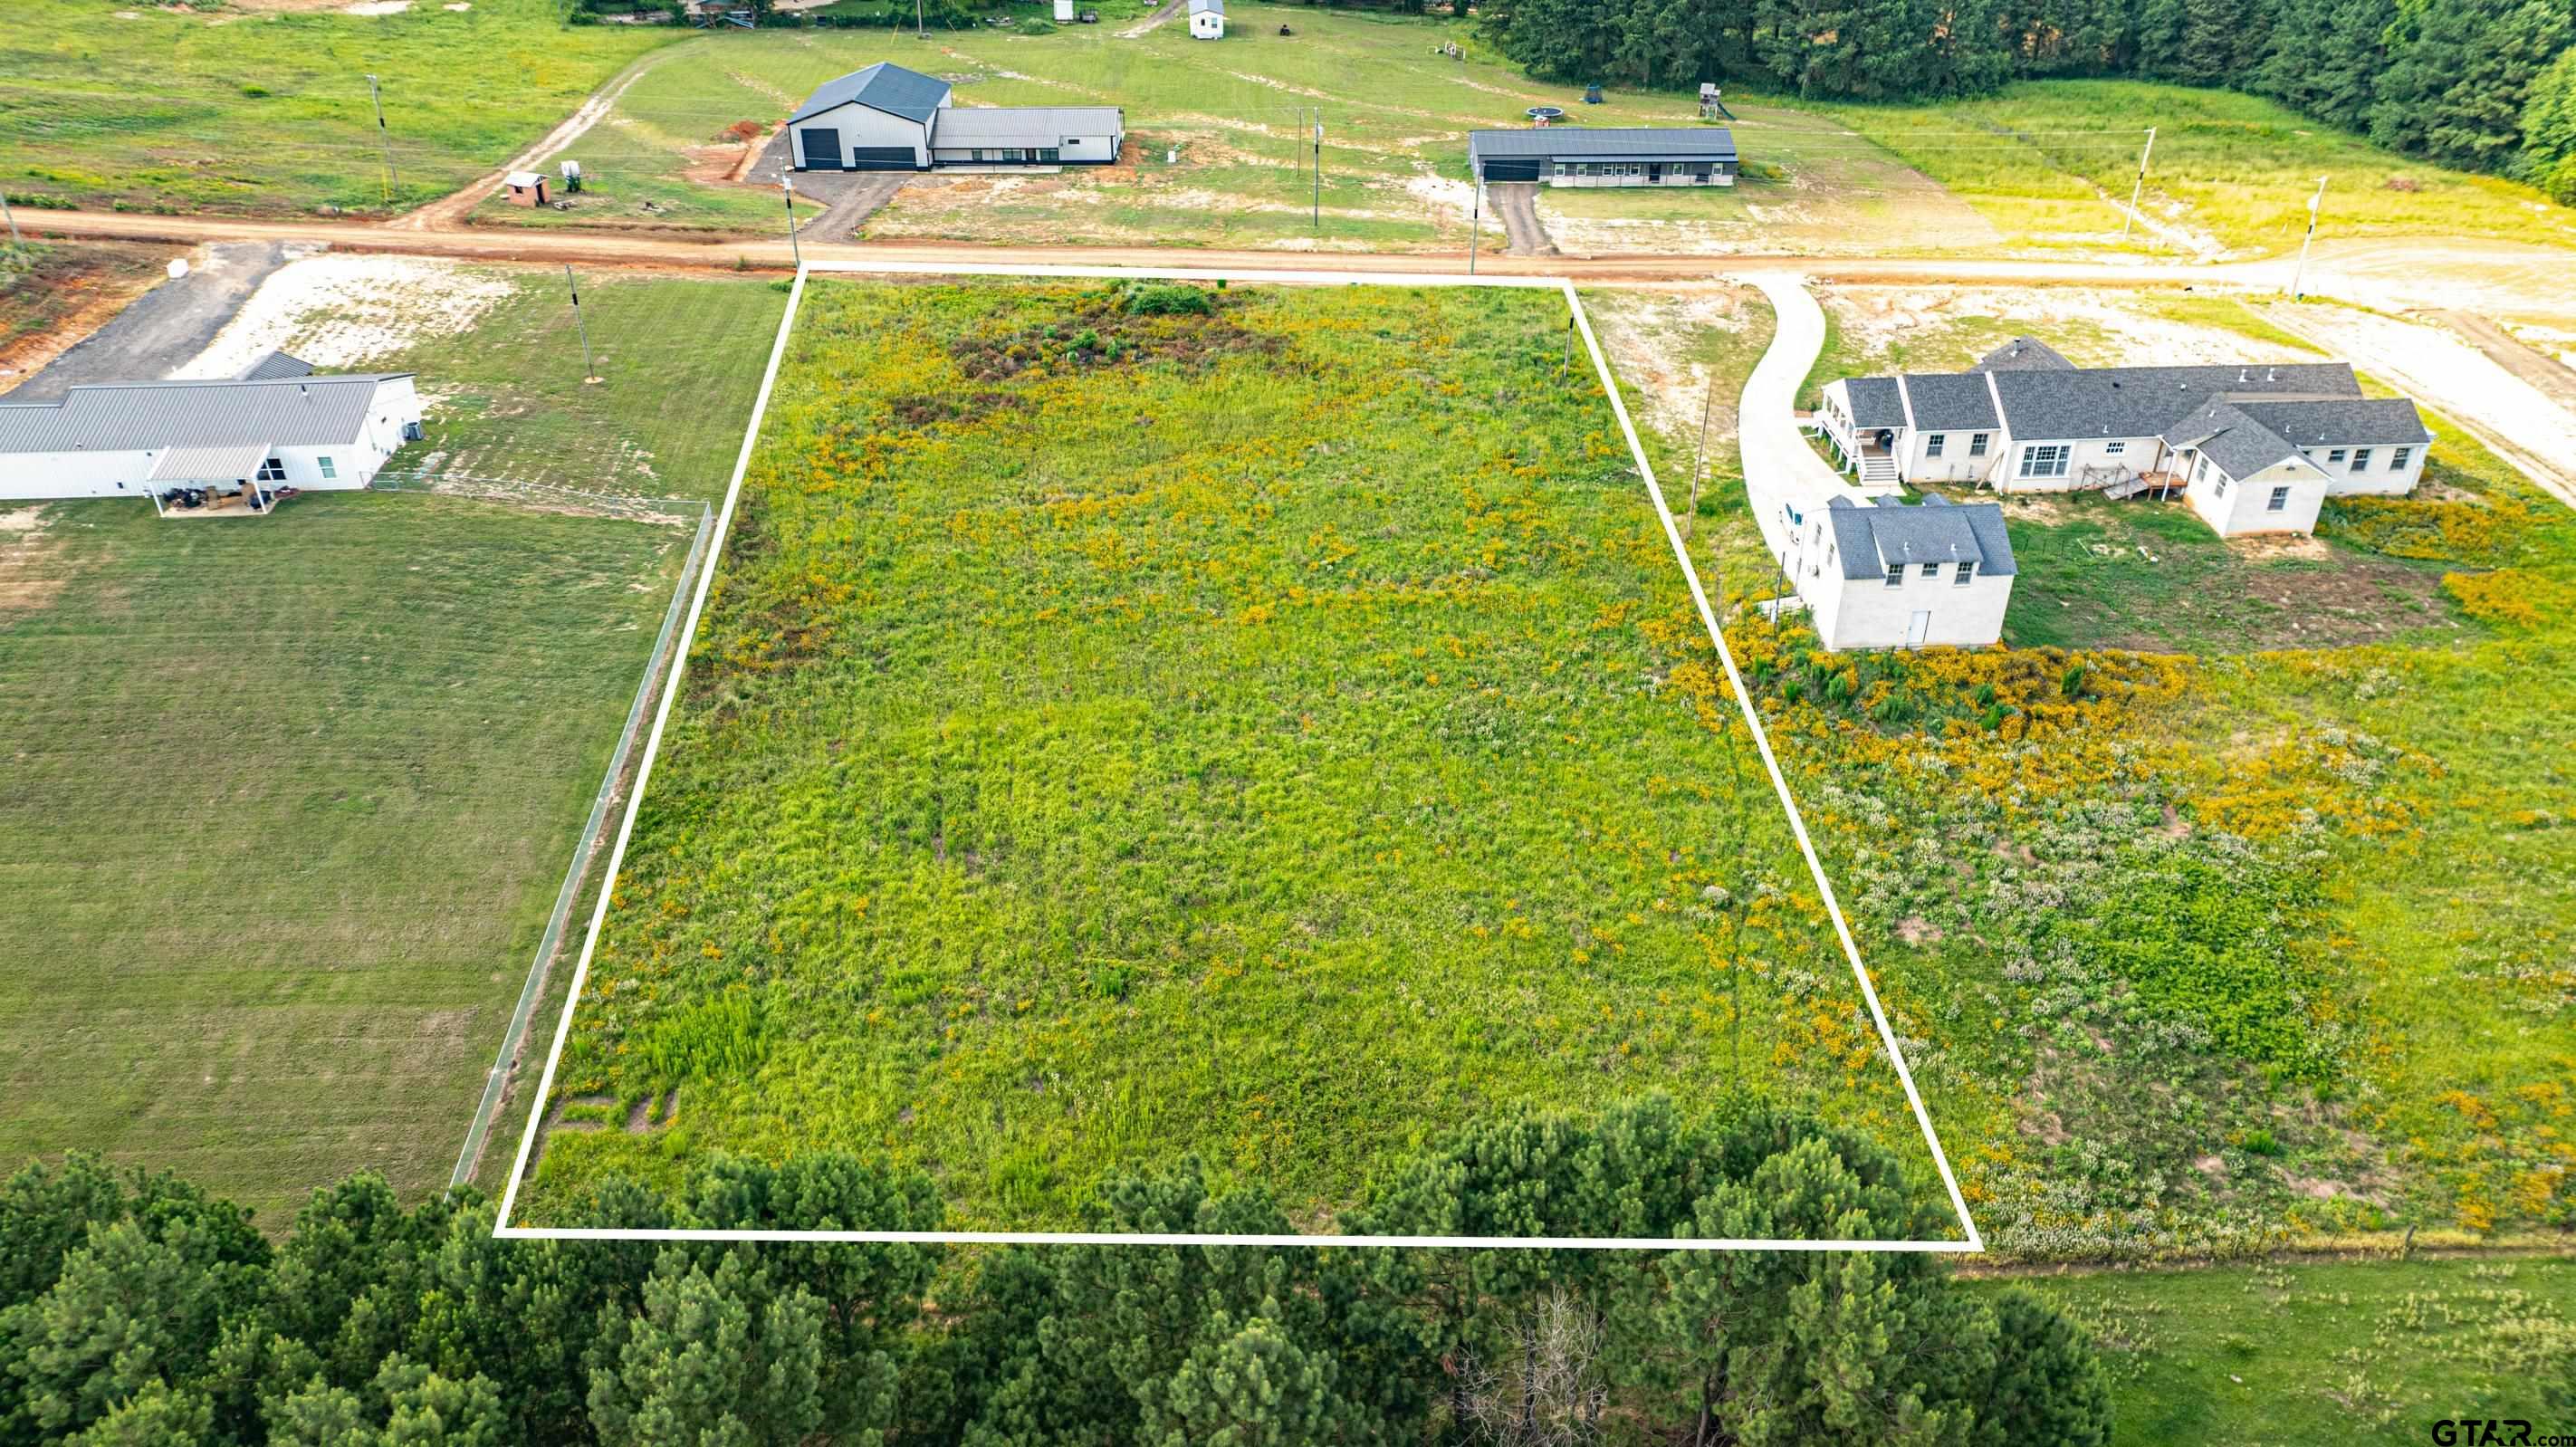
<point x="2142" y="401"/>
<point x="1021" y="125"/>
<point x="884" y="86"/>
<point x="1874" y="402"/>
<point x="1868" y="539"/>
<point x="2372" y="421"/>
<point x="147" y="416"/>
<point x="2023" y="354"/>
<point x="1950" y="400"/>
<point x="1608" y="143"/>
<point x="2231" y="439"/>
<point x="275" y="364"/>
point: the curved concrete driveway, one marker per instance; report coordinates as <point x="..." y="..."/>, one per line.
<point x="1779" y="467"/>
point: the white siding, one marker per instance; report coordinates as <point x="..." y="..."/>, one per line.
<point x="859" y="127"/>
<point x="2235" y="507"/>
<point x="1866" y="613"/>
<point x="2381" y="475"/>
<point x="1915" y="461"/>
<point x="1208" y="25"/>
<point x="2134" y="454"/>
<point x="127" y="474"/>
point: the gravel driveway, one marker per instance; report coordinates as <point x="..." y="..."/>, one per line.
<point x="167" y="326"/>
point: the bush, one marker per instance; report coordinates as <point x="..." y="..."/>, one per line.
<point x="1164" y="301"/>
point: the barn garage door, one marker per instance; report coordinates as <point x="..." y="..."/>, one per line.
<point x="882" y="158"/>
<point x="1511" y="168"/>
<point x="821" y="146"/>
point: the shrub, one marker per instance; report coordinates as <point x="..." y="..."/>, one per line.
<point x="1164" y="301"/>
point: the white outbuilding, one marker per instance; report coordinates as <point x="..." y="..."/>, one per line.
<point x="248" y="436"/>
<point x="1881" y="574"/>
<point x="1207" y="19"/>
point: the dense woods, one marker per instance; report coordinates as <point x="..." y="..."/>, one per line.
<point x="135" y="1309"/>
<point x="2478" y="84"/>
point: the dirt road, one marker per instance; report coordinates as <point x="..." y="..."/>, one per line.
<point x="1516" y="202"/>
<point x="449" y="211"/>
<point x="2552" y="377"/>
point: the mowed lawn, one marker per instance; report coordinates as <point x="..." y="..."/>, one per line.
<point x="1275" y="732"/>
<point x="190" y="109"/>
<point x="287" y="803"/>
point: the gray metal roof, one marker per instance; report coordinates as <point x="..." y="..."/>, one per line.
<point x="1874" y="402"/>
<point x="1023" y="125"/>
<point x="1868" y="539"/>
<point x="884" y="86"/>
<point x="2023" y="354"/>
<point x="2391" y="420"/>
<point x="1202" y="7"/>
<point x="2143" y="401"/>
<point x="148" y="416"/>
<point x="1950" y="400"/>
<point x="1609" y="143"/>
<point x="210" y="464"/>
<point x="275" y="364"/>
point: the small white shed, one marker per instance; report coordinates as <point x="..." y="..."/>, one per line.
<point x="1207" y="19"/>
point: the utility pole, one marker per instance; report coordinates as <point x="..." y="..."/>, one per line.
<point x="1319" y="168"/>
<point x="1699" y="454"/>
<point x="2138" y="189"/>
<point x="787" y="193"/>
<point x="1476" y="226"/>
<point x="2299" y="278"/>
<point x="384" y="138"/>
<point x="11" y="217"/>
<point x="589" y="373"/>
<point x="919" y="31"/>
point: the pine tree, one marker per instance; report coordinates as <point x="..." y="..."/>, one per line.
<point x="2455" y="88"/>
<point x="720" y="1358"/>
<point x="2046" y="1388"/>
<point x="2549" y="130"/>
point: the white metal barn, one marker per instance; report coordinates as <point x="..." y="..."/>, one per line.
<point x="887" y="118"/>
<point x="253" y="434"/>
<point x="1207" y="19"/>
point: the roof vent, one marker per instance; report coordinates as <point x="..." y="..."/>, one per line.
<point x="2271" y="374"/>
<point x="2240" y="374"/>
<point x="302" y="390"/>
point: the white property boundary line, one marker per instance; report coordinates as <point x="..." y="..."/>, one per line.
<point x="1582" y="321"/>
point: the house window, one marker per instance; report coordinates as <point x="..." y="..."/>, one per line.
<point x="2200" y="468"/>
<point x="1966" y="573"/>
<point x="328" y="471"/>
<point x="1932" y="445"/>
<point x="2335" y="456"/>
<point x="1049" y="155"/>
<point x="2114" y="449"/>
<point x="2360" y="458"/>
<point x="273" y="470"/>
<point x="1976" y="444"/>
<point x="2280" y="500"/>
<point x="2221" y="489"/>
<point x="2397" y="460"/>
<point x="1931" y="570"/>
<point x="1015" y="153"/>
<point x="2047" y="460"/>
<point x="1896" y="575"/>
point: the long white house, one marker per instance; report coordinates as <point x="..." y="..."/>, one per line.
<point x="2253" y="449"/>
<point x="1886" y="575"/>
<point x="887" y="118"/>
<point x="265" y="429"/>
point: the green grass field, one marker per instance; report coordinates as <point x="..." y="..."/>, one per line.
<point x="288" y="802"/>
<point x="2299" y="1353"/>
<point x="1278" y="737"/>
<point x="2051" y="163"/>
<point x="178" y="108"/>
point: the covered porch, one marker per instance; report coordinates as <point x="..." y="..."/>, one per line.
<point x="209" y="482"/>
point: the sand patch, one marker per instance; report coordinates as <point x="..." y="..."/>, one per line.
<point x="340" y="312"/>
<point x="1650" y="337"/>
<point x="376" y="7"/>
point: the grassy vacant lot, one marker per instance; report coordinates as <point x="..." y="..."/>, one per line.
<point x="2259" y="935"/>
<point x="216" y="108"/>
<point x="2297" y="1353"/>
<point x="45" y="290"/>
<point x="287" y="804"/>
<point x="2051" y="163"/>
<point x="1275" y="731"/>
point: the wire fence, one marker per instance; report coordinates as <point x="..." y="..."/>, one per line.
<point x="657" y="667"/>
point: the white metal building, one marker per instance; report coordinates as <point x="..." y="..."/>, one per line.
<point x="1207" y="19"/>
<point x="255" y="433"/>
<point x="887" y="118"/>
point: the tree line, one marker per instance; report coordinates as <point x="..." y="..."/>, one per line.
<point x="2477" y="84"/>
<point x="138" y="1309"/>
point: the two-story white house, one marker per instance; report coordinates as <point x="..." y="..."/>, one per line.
<point x="2254" y="448"/>
<point x="1889" y="575"/>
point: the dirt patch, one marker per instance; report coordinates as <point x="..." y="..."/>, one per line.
<point x="1651" y="337"/>
<point x="1101" y="332"/>
<point x="31" y="564"/>
<point x="2111" y="328"/>
<point x="931" y="409"/>
<point x="340" y="311"/>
